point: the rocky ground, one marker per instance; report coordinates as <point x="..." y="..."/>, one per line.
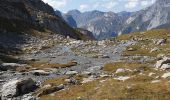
<point x="81" y="70"/>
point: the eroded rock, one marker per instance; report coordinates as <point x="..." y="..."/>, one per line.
<point x="159" y="63"/>
<point x="10" y="66"/>
<point x="17" y="87"/>
<point x="40" y="72"/>
<point x="166" y="75"/>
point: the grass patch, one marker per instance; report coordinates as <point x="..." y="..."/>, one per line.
<point x="145" y="42"/>
<point x="112" y="67"/>
<point x="114" y="90"/>
<point x="41" y="65"/>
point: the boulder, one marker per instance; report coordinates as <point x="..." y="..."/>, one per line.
<point x="51" y="90"/>
<point x="131" y="49"/>
<point x="10" y="66"/>
<point x="122" y="78"/>
<point x="154" y="49"/>
<point x="104" y="56"/>
<point x="71" y="73"/>
<point x="94" y="69"/>
<point x="17" y="87"/>
<point x="71" y="81"/>
<point x="159" y="63"/>
<point x="89" y="79"/>
<point x="120" y="70"/>
<point x="155" y="81"/>
<point x="166" y="75"/>
<point x="40" y="73"/>
<point x="160" y="56"/>
<point x="161" y="41"/>
<point x="165" y="66"/>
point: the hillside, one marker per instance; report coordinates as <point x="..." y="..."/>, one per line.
<point x="29" y="22"/>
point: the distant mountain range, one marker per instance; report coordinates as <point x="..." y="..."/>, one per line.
<point x="109" y="24"/>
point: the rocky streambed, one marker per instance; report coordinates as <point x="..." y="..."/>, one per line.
<point x="89" y="56"/>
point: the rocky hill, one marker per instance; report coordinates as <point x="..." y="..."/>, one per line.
<point x="69" y="19"/>
<point x="86" y="33"/>
<point x="153" y="17"/>
<point x="28" y="21"/>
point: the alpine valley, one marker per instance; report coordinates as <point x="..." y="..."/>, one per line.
<point x="49" y="55"/>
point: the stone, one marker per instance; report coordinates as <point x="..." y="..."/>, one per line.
<point x="160" y="56"/>
<point x="86" y="73"/>
<point x="150" y="74"/>
<point x="71" y="80"/>
<point x="89" y="79"/>
<point x="1" y="81"/>
<point x="71" y="73"/>
<point x="51" y="90"/>
<point x="10" y="66"/>
<point x="166" y="75"/>
<point x="104" y="56"/>
<point x="122" y="78"/>
<point x="155" y="81"/>
<point x="104" y="76"/>
<point x="154" y="49"/>
<point x="131" y="49"/>
<point x="120" y="70"/>
<point x="17" y="87"/>
<point x="40" y="72"/>
<point x="165" y="66"/>
<point x="161" y="41"/>
<point x="95" y="68"/>
<point x="159" y="63"/>
<point x="79" y="98"/>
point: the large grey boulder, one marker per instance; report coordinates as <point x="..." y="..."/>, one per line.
<point x="10" y="66"/>
<point x="161" y="63"/>
<point x="40" y="73"/>
<point x="17" y="87"/>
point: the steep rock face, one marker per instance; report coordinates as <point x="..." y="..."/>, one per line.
<point x="23" y="15"/>
<point x="86" y="33"/>
<point x="155" y="16"/>
<point x="69" y="19"/>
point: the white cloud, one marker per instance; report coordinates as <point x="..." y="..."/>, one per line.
<point x="131" y="4"/>
<point x="107" y="4"/>
<point x="56" y="4"/>
<point x="110" y="5"/>
<point x="144" y="3"/>
<point x="83" y="7"/>
<point x="147" y="2"/>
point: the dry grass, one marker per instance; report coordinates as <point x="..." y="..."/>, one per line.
<point x="44" y="66"/>
<point x="115" y="90"/>
<point x="112" y="67"/>
<point x="41" y="65"/>
<point x="144" y="46"/>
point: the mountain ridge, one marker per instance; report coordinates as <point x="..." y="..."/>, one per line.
<point x="102" y="27"/>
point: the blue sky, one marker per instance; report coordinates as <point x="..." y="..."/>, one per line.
<point x="102" y="5"/>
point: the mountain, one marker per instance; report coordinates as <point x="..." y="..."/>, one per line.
<point x="25" y="15"/>
<point x="153" y="17"/>
<point x="30" y="21"/>
<point x="86" y="33"/>
<point x="101" y="24"/>
<point x="109" y="24"/>
<point x="70" y="21"/>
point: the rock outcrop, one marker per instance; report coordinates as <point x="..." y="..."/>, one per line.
<point x="15" y="88"/>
